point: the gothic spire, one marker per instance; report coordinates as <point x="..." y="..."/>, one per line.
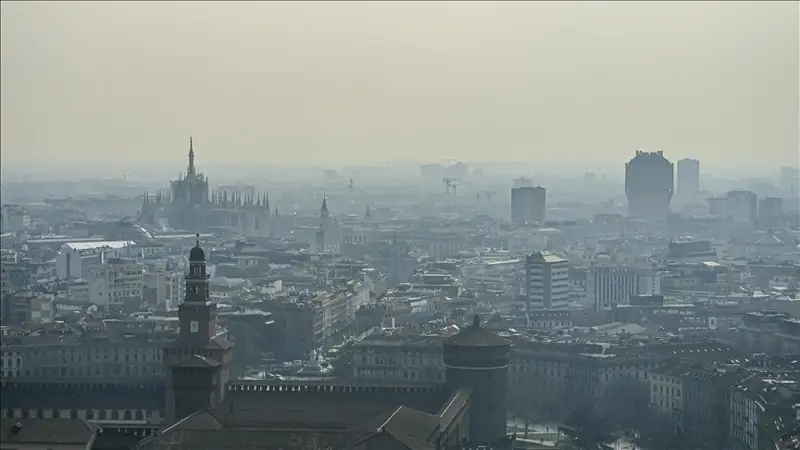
<point x="323" y="211"/>
<point x="190" y="171"/>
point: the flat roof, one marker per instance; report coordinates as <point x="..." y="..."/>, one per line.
<point x="97" y="245"/>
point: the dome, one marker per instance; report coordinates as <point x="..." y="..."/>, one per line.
<point x="197" y="253"/>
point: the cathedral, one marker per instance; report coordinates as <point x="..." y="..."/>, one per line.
<point x="190" y="204"/>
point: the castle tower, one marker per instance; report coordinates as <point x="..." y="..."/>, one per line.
<point x="199" y="360"/>
<point x="477" y="359"/>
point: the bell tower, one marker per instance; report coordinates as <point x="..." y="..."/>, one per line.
<point x="199" y="360"/>
<point x="197" y="314"/>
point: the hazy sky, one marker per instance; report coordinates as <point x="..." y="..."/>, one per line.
<point x="113" y="83"/>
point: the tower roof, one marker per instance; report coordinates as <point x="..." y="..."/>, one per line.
<point x="197" y="254"/>
<point x="324" y="209"/>
<point x="477" y="336"/>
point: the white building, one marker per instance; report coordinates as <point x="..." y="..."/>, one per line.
<point x="610" y="286"/>
<point x="546" y="281"/>
<point x="115" y="281"/>
<point x="74" y="257"/>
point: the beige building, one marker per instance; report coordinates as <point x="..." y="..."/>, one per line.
<point x="114" y="282"/>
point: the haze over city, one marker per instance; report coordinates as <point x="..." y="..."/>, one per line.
<point x="109" y="84"/>
<point x="399" y="225"/>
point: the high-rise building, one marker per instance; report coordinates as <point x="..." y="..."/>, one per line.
<point x="770" y="212"/>
<point x="528" y="205"/>
<point x="742" y="206"/>
<point x="546" y="281"/>
<point x="611" y="286"/>
<point x="649" y="183"/>
<point x="688" y="183"/>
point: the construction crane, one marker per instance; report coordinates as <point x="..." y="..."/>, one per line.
<point x="447" y="182"/>
<point x="451" y="184"/>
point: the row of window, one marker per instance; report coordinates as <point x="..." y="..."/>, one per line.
<point x="87" y="414"/>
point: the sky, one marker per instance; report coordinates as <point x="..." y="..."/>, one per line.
<point x="112" y="86"/>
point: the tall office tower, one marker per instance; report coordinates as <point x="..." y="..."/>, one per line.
<point x="770" y="212"/>
<point x="688" y="183"/>
<point x="742" y="206"/>
<point x="546" y="281"/>
<point x="611" y="286"/>
<point x="649" y="183"/>
<point x="528" y="205"/>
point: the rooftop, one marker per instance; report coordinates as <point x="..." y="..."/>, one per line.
<point x="477" y="336"/>
<point x="46" y="431"/>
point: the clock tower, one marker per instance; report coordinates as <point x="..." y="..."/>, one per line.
<point x="198" y="362"/>
<point x="197" y="314"/>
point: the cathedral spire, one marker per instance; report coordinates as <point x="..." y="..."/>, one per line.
<point x="323" y="211"/>
<point x="190" y="171"/>
<point x="368" y="214"/>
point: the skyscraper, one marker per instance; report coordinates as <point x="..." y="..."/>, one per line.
<point x="649" y="183"/>
<point x="528" y="204"/>
<point x="688" y="183"/>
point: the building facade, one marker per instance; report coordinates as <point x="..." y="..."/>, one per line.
<point x="546" y="281"/>
<point x="611" y="286"/>
<point x="688" y="179"/>
<point x="528" y="204"/>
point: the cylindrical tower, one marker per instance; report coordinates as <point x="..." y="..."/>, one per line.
<point x="649" y="183"/>
<point x="477" y="359"/>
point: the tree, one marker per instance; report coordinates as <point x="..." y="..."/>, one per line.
<point x="586" y="430"/>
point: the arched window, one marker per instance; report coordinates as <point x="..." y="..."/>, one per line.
<point x="139" y="414"/>
<point x="127" y="415"/>
<point x="102" y="414"/>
